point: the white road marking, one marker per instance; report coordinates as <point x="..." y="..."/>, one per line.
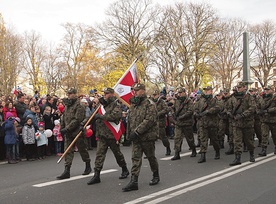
<point x="71" y="179"/>
<point x="217" y="176"/>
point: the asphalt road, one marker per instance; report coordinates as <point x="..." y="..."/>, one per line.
<point x="182" y="181"/>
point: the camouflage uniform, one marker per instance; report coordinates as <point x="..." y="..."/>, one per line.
<point x="183" y="124"/>
<point x="105" y="136"/>
<point x="142" y="119"/>
<point x="162" y="111"/>
<point x="267" y="112"/>
<point x="242" y="107"/>
<point x="257" y="121"/>
<point x="74" y="114"/>
<point x="206" y="110"/>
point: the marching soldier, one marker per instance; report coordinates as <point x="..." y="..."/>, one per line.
<point x="206" y="111"/>
<point x="142" y="130"/>
<point x="241" y="109"/>
<point x="73" y="116"/>
<point x="162" y="111"/>
<point x="267" y="112"/>
<point x="105" y="136"/>
<point x="183" y="123"/>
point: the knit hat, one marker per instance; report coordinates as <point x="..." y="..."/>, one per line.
<point x="41" y="124"/>
<point x="17" y="119"/>
<point x="83" y="100"/>
<point x="56" y="122"/>
<point x="9" y="114"/>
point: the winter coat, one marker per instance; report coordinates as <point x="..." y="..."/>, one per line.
<point x="28" y="134"/>
<point x="10" y="133"/>
<point x="41" y="138"/>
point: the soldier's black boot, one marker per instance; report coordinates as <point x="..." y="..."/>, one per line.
<point x="217" y="155"/>
<point x="252" y="157"/>
<point x="168" y="151"/>
<point x="230" y="150"/>
<point x="87" y="168"/>
<point x="65" y="174"/>
<point x="95" y="179"/>
<point x="125" y="173"/>
<point x="132" y="185"/>
<point x="263" y="152"/>
<point x="202" y="158"/>
<point x="155" y="179"/>
<point x="237" y="160"/>
<point x="176" y="156"/>
<point x="193" y="153"/>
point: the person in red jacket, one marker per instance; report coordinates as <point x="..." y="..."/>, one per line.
<point x="9" y="108"/>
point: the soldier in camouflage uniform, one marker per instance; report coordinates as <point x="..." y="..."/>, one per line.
<point x="70" y="126"/>
<point x="183" y="123"/>
<point x="257" y="121"/>
<point x="206" y="111"/>
<point x="162" y="111"/>
<point x="142" y="130"/>
<point x="267" y="112"/>
<point x="113" y="113"/>
<point x="241" y="109"/>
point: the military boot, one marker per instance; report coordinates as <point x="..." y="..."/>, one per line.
<point x="125" y="173"/>
<point x="168" y="151"/>
<point x="193" y="153"/>
<point x="263" y="152"/>
<point x="155" y="180"/>
<point x="132" y="185"/>
<point x="230" y="150"/>
<point x="65" y="174"/>
<point x="202" y="158"/>
<point x="87" y="168"/>
<point x="217" y="155"/>
<point x="237" y="160"/>
<point x="176" y="156"/>
<point x="252" y="158"/>
<point x="95" y="179"/>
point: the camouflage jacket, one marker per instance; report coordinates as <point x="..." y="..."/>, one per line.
<point x="73" y="115"/>
<point x="269" y="105"/>
<point x="162" y="111"/>
<point x="242" y="104"/>
<point x="183" y="112"/>
<point x="142" y="119"/>
<point x="210" y="108"/>
<point x="113" y="113"/>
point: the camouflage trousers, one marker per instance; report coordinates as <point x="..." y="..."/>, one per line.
<point x="258" y="129"/>
<point x="180" y="133"/>
<point x="148" y="148"/>
<point x="266" y="127"/>
<point x="205" y="134"/>
<point x="82" y="148"/>
<point x="223" y="129"/>
<point x="243" y="134"/>
<point x="163" y="137"/>
<point x="102" y="147"/>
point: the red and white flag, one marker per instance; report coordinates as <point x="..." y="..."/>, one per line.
<point x="123" y="86"/>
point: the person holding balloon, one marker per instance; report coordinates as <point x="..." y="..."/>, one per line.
<point x="42" y="141"/>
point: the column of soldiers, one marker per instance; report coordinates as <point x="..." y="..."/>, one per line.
<point x="239" y="116"/>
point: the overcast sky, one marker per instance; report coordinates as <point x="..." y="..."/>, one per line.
<point x="46" y="16"/>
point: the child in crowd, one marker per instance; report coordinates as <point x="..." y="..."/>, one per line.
<point x="28" y="136"/>
<point x="42" y="141"/>
<point x="58" y="138"/>
<point x="10" y="138"/>
<point x="18" y="130"/>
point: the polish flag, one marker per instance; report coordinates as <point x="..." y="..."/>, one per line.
<point x="117" y="130"/>
<point x="123" y="86"/>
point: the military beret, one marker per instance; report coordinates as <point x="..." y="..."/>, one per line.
<point x="240" y="84"/>
<point x="72" y="91"/>
<point x="139" y="86"/>
<point x="155" y="92"/>
<point x="208" y="88"/>
<point x="181" y="89"/>
<point x="108" y="90"/>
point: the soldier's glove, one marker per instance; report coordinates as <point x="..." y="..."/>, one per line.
<point x="239" y="116"/>
<point x="203" y="113"/>
<point x="97" y="116"/>
<point x="133" y="136"/>
<point x="63" y="132"/>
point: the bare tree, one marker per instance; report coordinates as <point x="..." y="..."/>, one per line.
<point x="225" y="63"/>
<point x="264" y="54"/>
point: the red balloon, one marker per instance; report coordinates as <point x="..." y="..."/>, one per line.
<point x="89" y="133"/>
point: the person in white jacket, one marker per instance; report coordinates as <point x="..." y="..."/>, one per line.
<point x="42" y="141"/>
